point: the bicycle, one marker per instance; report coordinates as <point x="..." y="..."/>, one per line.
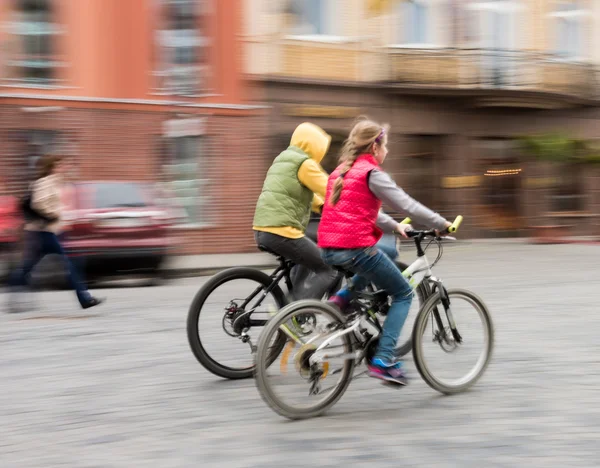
<point x="252" y="311"/>
<point x="358" y="332"/>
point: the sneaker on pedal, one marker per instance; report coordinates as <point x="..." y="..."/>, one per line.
<point x="392" y="373"/>
<point x="338" y="302"/>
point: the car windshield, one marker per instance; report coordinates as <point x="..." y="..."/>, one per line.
<point x="118" y="195"/>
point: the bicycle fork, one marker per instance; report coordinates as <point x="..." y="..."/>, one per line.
<point x="446" y="304"/>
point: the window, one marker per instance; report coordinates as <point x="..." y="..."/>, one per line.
<point x="491" y="24"/>
<point x="314" y="17"/>
<point x="568" y="28"/>
<point x="415" y="15"/>
<point x="33" y="55"/>
<point x="185" y="185"/>
<point x="119" y="195"/>
<point x="491" y="27"/>
<point x="182" y="43"/>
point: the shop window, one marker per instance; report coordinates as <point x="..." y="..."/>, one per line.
<point x="421" y="164"/>
<point x="499" y="208"/>
<point x="567" y="195"/>
<point x="185" y="185"/>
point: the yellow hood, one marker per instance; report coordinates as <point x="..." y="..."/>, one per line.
<point x="312" y="140"/>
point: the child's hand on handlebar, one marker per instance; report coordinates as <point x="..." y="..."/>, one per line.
<point x="443" y="232"/>
<point x="402" y="229"/>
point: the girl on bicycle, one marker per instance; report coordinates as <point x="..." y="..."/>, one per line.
<point x="348" y="233"/>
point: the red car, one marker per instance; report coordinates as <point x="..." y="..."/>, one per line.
<point x="114" y="228"/>
<point x="10" y="235"/>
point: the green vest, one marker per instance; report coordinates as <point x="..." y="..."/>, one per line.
<point x="284" y="201"/>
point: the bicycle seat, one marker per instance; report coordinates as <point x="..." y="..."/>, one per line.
<point x="268" y="250"/>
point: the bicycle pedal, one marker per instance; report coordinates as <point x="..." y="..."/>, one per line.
<point x="394" y="385"/>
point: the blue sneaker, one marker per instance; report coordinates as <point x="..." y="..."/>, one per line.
<point x="393" y="373"/>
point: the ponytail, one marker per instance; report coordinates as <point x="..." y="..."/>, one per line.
<point x="349" y="154"/>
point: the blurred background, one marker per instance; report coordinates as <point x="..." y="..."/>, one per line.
<point x="170" y="112"/>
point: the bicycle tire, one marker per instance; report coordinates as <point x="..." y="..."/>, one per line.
<point x="261" y="364"/>
<point x="196" y="308"/>
<point x="417" y="339"/>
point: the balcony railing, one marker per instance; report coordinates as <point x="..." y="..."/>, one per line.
<point x="450" y="68"/>
<point x="492" y="69"/>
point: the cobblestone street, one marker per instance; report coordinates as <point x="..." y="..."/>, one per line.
<point x="117" y="386"/>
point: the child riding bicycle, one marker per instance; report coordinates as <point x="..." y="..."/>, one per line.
<point x="348" y="233"/>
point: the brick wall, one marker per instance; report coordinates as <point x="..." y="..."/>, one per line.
<point x="114" y="144"/>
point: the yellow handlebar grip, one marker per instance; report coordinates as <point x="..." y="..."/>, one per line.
<point x="455" y="225"/>
<point x="406" y="221"/>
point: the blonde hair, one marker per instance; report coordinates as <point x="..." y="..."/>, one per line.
<point x="363" y="136"/>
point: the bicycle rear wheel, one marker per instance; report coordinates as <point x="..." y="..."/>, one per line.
<point x="441" y="338"/>
<point x="294" y="388"/>
<point x="221" y="350"/>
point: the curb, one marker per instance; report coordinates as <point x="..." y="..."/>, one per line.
<point x="562" y="241"/>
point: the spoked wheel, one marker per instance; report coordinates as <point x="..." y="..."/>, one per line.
<point x="451" y="362"/>
<point x="304" y="382"/>
<point x="226" y="317"/>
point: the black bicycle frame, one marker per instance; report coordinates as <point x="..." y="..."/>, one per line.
<point x="281" y="272"/>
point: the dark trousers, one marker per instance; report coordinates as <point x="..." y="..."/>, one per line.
<point x="312" y="277"/>
<point x="37" y="246"/>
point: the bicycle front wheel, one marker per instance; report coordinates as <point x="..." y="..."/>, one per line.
<point x="453" y="362"/>
<point x="297" y="385"/>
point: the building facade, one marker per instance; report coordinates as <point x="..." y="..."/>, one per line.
<point x="461" y="83"/>
<point x="149" y="90"/>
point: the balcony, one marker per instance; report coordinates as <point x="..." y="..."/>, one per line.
<point x="347" y="60"/>
<point x="493" y="78"/>
<point x="318" y="58"/>
<point x="542" y="80"/>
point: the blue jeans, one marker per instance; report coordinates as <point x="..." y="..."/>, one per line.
<point x="37" y="246"/>
<point x="370" y="264"/>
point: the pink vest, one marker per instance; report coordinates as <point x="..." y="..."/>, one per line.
<point x="351" y="223"/>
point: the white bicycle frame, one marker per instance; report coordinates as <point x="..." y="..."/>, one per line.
<point x="414" y="274"/>
<point x="417" y="271"/>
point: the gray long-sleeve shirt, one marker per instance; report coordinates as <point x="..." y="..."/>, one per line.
<point x="384" y="188"/>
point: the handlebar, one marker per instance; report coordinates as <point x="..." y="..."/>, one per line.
<point x="432" y="232"/>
